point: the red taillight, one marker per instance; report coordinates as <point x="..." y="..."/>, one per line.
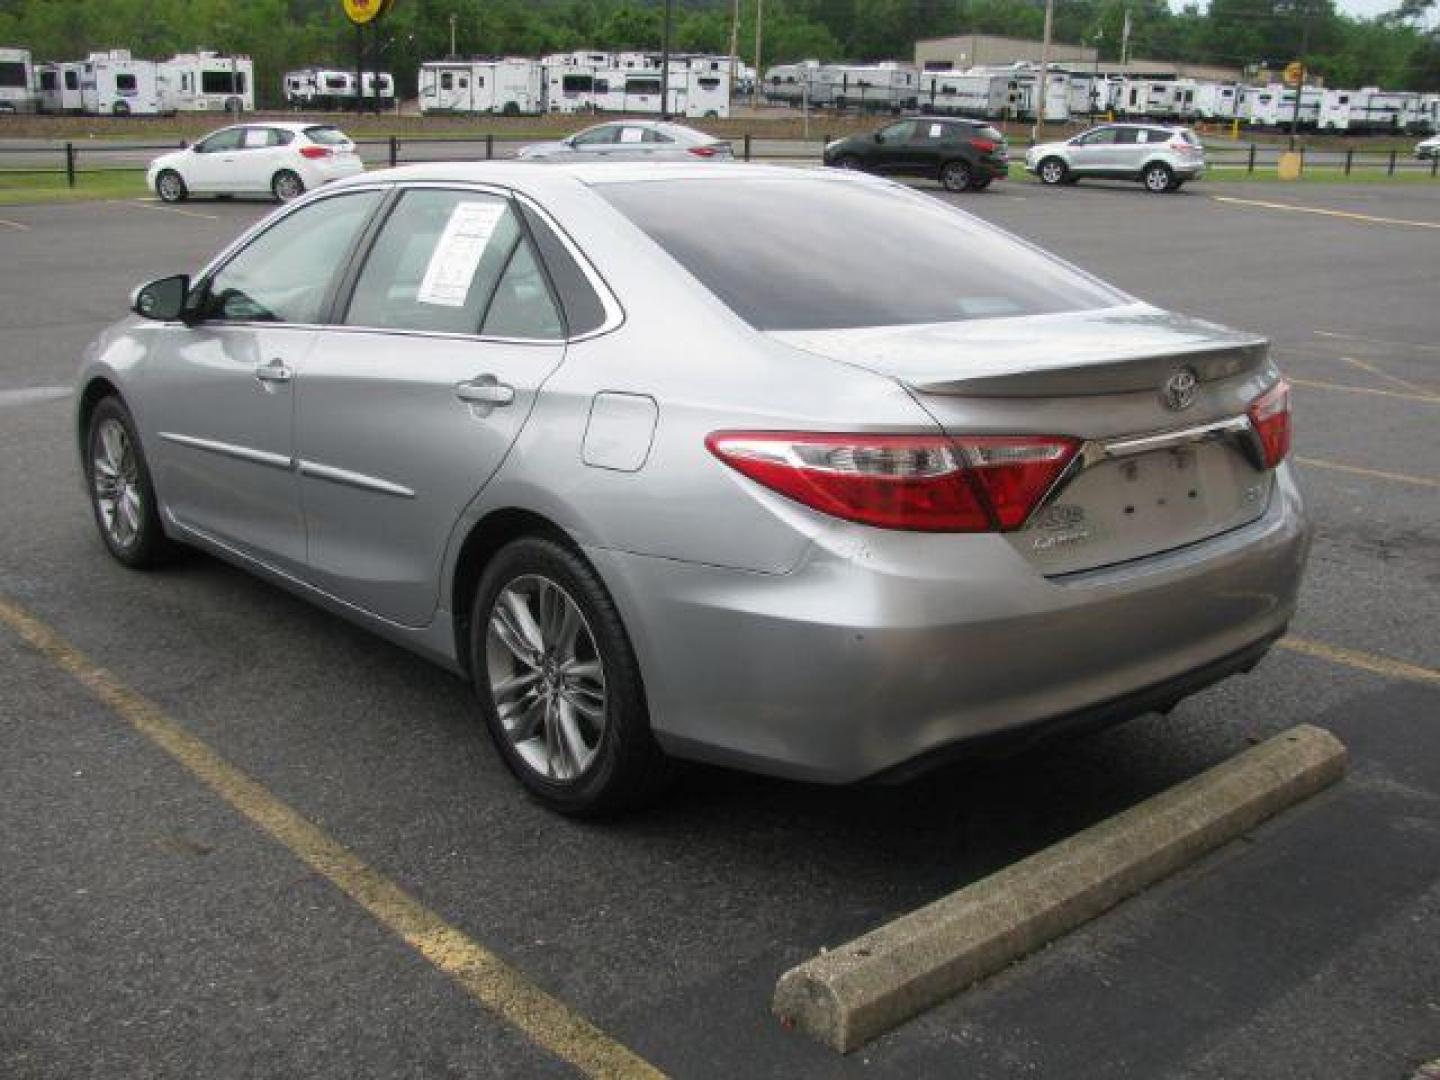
<point x="313" y="152"/>
<point x="1270" y="414"/>
<point x="985" y="146"/>
<point x="925" y="483"/>
<point x="703" y="151"/>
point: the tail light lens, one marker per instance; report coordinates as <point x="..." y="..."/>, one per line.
<point x="922" y="483"/>
<point x="1270" y="415"/>
<point x="985" y="146"/>
<point x="314" y="152"/>
<point x="703" y="151"/>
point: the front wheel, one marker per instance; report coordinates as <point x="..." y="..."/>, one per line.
<point x="848" y="161"/>
<point x="558" y="682"/>
<point x="287" y="186"/>
<point x="956" y="176"/>
<point x="170" y="186"/>
<point x="122" y="495"/>
<point x="1158" y="178"/>
<point x="1052" y="171"/>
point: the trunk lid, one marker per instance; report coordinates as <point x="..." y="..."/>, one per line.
<point x="1163" y="464"/>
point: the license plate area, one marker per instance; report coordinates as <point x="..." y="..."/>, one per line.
<point x="1144" y="504"/>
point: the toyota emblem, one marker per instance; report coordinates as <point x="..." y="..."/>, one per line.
<point x="1179" y="389"/>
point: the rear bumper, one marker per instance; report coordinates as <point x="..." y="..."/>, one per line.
<point x="882" y="648"/>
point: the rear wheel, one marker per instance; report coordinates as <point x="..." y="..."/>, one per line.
<point x="1157" y="178"/>
<point x="287" y="186"/>
<point x="1052" y="171"/>
<point x="981" y="183"/>
<point x="122" y="495"/>
<point x="558" y="682"/>
<point x="848" y="161"/>
<point x="170" y="186"/>
<point x="956" y="176"/>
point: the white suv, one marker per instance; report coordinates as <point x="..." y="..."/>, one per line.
<point x="1160" y="157"/>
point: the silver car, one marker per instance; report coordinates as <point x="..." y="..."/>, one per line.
<point x="681" y="462"/>
<point x="1160" y="157"/>
<point x="632" y="140"/>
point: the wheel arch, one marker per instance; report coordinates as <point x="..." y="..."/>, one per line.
<point x="96" y="389"/>
<point x="486" y="537"/>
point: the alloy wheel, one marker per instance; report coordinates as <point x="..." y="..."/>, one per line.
<point x="117" y="483"/>
<point x="546" y="678"/>
<point x="1052" y="172"/>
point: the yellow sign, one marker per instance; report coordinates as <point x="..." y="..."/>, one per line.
<point x="361" y="12"/>
<point x="1294" y="72"/>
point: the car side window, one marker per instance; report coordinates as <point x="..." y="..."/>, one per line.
<point x="255" y="138"/>
<point x="899" y="133"/>
<point x="435" y="263"/>
<point x="281" y="137"/>
<point x="653" y="136"/>
<point x="522" y="306"/>
<point x="1126" y="136"/>
<point x="583" y="309"/>
<point x="600" y="136"/>
<point x="229" y="139"/>
<point x="1099" y="137"/>
<point x="285" y="274"/>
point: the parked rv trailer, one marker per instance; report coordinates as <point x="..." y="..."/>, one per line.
<point x="1216" y="101"/>
<point x="17" y="81"/>
<point x="115" y="84"/>
<point x="884" y="87"/>
<point x="1057" y="97"/>
<point x="1149" y="98"/>
<point x="512" y="87"/>
<point x="301" y="88"/>
<point x="1273" y="106"/>
<point x="1370" y="111"/>
<point x="209" y="82"/>
<point x="59" y="85"/>
<point x="963" y="93"/>
<point x="794" y="84"/>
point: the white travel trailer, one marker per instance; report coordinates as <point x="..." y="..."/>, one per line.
<point x="511" y="86"/>
<point x="1057" y="97"/>
<point x="1216" y="101"/>
<point x="1147" y="97"/>
<point x="380" y="89"/>
<point x="60" y="87"/>
<point x="1273" y="106"/>
<point x="794" y="84"/>
<point x="208" y="82"/>
<point x="1369" y="111"/>
<point x="17" y="81"/>
<point x="886" y="87"/>
<point x="570" y="88"/>
<point x="581" y="58"/>
<point x="963" y="93"/>
<point x="302" y="88"/>
<point x="114" y="84"/>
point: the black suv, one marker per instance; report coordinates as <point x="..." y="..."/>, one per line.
<point x="964" y="155"/>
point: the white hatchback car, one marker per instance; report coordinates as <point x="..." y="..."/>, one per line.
<point x="280" y="159"/>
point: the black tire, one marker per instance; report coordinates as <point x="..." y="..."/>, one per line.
<point x="1176" y="185"/>
<point x="120" y="108"/>
<point x="146" y="546"/>
<point x="957" y="175"/>
<point x="170" y="186"/>
<point x="287" y="186"/>
<point x="628" y="768"/>
<point x="849" y="161"/>
<point x="511" y="108"/>
<point x="1052" y="171"/>
<point x="981" y="183"/>
<point x="1157" y="177"/>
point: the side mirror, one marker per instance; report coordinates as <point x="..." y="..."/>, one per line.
<point x="163" y="299"/>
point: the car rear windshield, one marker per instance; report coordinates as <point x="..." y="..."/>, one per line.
<point x="326" y="136"/>
<point x="816" y="253"/>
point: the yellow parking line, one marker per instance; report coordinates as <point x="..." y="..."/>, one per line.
<point x="1374" y="474"/>
<point x="1316" y="384"/>
<point x="1365" y="365"/>
<point x="494" y="984"/>
<point x="1370" y="218"/>
<point x="1376" y="341"/>
<point x="1376" y="665"/>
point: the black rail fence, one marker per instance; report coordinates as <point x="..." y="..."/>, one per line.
<point x="76" y="159"/>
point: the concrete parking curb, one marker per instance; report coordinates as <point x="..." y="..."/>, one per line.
<point x="851" y="994"/>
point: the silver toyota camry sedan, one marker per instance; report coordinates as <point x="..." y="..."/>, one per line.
<point x="802" y="473"/>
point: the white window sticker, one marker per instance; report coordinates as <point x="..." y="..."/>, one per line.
<point x="936" y="131"/>
<point x="462" y="244"/>
<point x="631" y="134"/>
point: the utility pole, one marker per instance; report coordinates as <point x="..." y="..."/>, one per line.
<point x="1304" y="70"/>
<point x="1044" y="71"/>
<point x="734" y="46"/>
<point x="665" y="64"/>
<point x="759" y="21"/>
<point x="453" y="55"/>
<point x="1095" y="78"/>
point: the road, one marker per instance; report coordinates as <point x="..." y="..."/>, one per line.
<point x="149" y="926"/>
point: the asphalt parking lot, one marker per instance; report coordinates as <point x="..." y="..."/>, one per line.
<point x="147" y="927"/>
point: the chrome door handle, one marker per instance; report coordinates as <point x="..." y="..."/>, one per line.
<point x="273" y="372"/>
<point x="485" y="390"/>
